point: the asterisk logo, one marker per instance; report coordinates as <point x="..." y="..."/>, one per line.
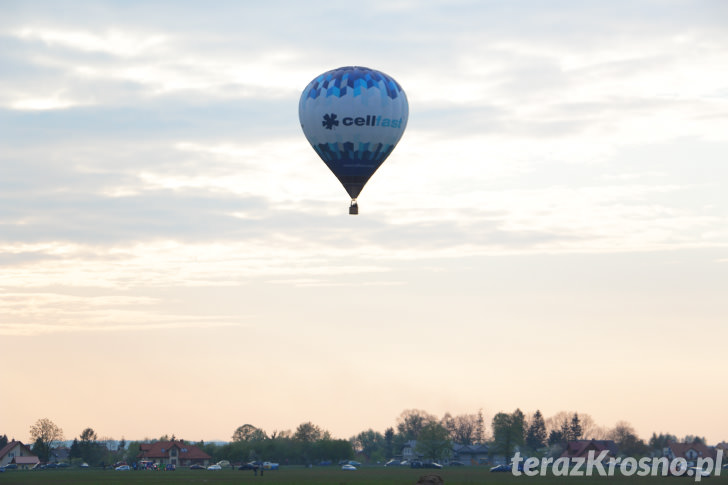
<point x="330" y="121"/>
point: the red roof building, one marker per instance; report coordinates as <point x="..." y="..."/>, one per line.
<point x="17" y="453"/>
<point x="581" y="448"/>
<point x="176" y="453"/>
<point x="689" y="451"/>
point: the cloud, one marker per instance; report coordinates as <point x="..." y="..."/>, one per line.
<point x="130" y="133"/>
<point x="24" y="314"/>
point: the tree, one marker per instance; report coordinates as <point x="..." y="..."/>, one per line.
<point x="518" y="426"/>
<point x="3" y="441"/>
<point x="411" y="422"/>
<point x="132" y="451"/>
<point x="448" y="422"/>
<point x="463" y="428"/>
<point x="659" y="442"/>
<point x="508" y="431"/>
<point x="88" y="435"/>
<point x="555" y="436"/>
<point x="623" y="434"/>
<point x="41" y="450"/>
<point x="480" y="429"/>
<point x="566" y="430"/>
<point x="248" y="432"/>
<point x="307" y="433"/>
<point x="536" y="433"/>
<point x="44" y="433"/>
<point x="88" y="446"/>
<point x="93" y="450"/>
<point x="434" y="441"/>
<point x="75" y="451"/>
<point x="589" y="429"/>
<point x="389" y="442"/>
<point x="281" y="434"/>
<point x="575" y="428"/>
<point x="330" y="449"/>
<point x="557" y="426"/>
<point x="370" y="443"/>
<point x="562" y="422"/>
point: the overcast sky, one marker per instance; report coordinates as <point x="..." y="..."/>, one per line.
<point x="550" y="233"/>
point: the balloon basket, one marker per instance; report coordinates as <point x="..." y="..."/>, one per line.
<point x="353" y="208"/>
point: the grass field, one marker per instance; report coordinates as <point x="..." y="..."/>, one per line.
<point x="334" y="476"/>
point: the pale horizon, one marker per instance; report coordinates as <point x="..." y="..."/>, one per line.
<point x="550" y="233"/>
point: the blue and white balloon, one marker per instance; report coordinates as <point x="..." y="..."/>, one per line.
<point x="353" y="117"/>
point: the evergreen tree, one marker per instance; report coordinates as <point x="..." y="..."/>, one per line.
<point x="566" y="431"/>
<point x="575" y="431"/>
<point x="480" y="429"/>
<point x="41" y="449"/>
<point x="518" y="427"/>
<point x="658" y="442"/>
<point x="75" y="451"/>
<point x="536" y="434"/>
<point x="88" y="446"/>
<point x="389" y="443"/>
<point x="555" y="436"/>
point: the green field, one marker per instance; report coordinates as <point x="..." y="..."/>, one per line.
<point x="332" y="475"/>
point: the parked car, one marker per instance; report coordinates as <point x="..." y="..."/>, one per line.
<point x="123" y="468"/>
<point x="196" y="467"/>
<point x="214" y="467"/>
<point x="456" y="463"/>
<point x="248" y="466"/>
<point x="421" y="464"/>
<point x="348" y="467"/>
<point x="393" y="463"/>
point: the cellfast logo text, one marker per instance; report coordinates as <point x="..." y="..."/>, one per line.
<point x="331" y="120"/>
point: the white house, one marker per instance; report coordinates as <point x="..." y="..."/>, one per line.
<point x="17" y="453"/>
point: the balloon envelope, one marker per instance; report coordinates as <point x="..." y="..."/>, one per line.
<point x="353" y="117"/>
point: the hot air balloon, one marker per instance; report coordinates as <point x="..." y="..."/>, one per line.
<point x="353" y="117"/>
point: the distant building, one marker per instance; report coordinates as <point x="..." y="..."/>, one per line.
<point x="176" y="453"/>
<point x="690" y="451"/>
<point x="581" y="448"/>
<point x="467" y="454"/>
<point x="60" y="454"/>
<point x="723" y="445"/>
<point x="19" y="454"/>
<point x="470" y="454"/>
<point x="409" y="451"/>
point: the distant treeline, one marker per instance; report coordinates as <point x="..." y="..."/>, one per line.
<point x="310" y="444"/>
